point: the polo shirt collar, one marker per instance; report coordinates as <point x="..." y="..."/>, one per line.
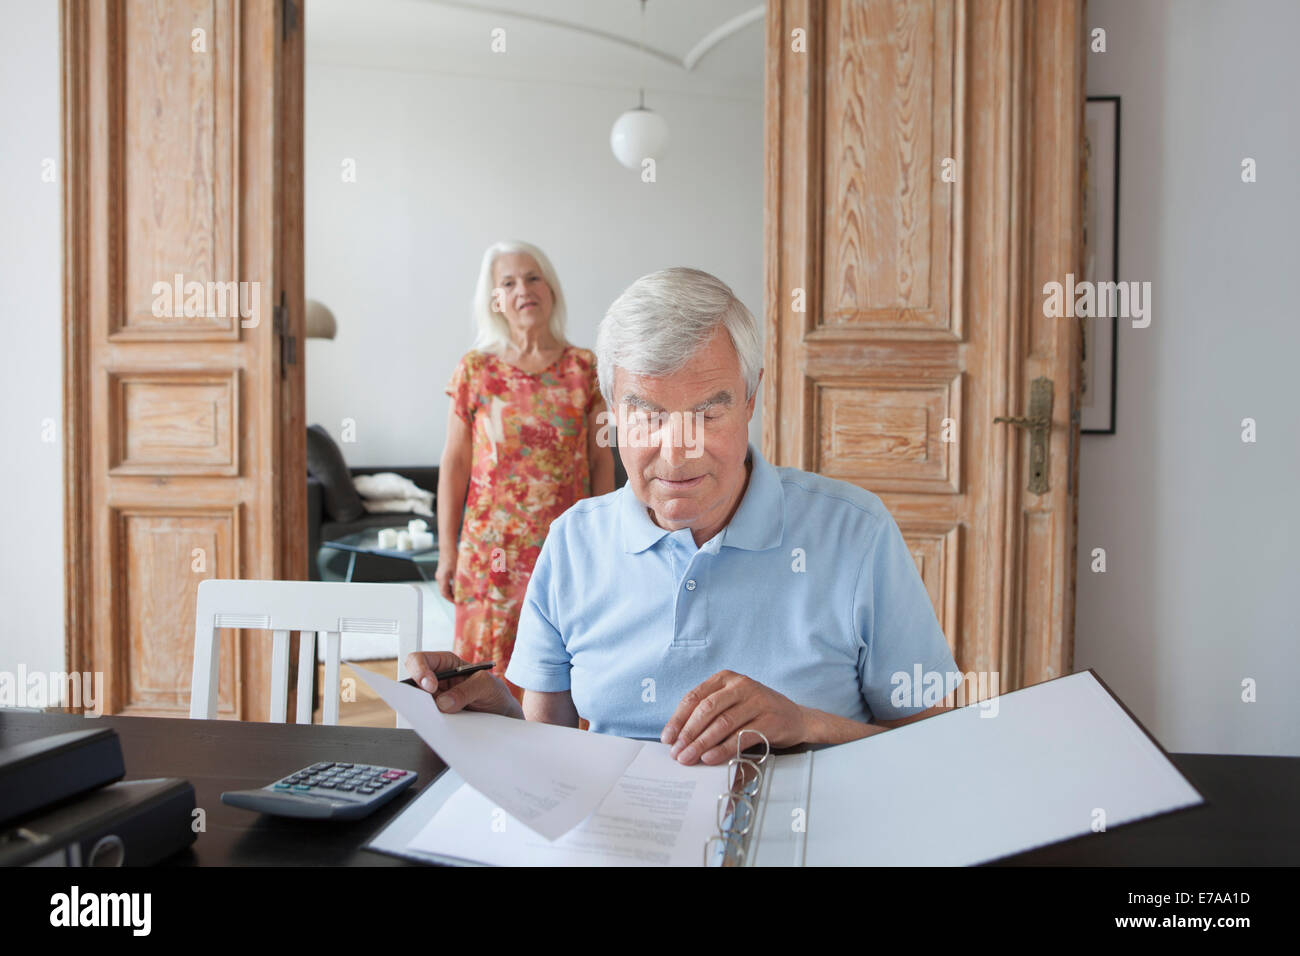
<point x="758" y="523"/>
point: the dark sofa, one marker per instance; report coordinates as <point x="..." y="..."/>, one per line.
<point x="321" y="528"/>
<point x="336" y="510"/>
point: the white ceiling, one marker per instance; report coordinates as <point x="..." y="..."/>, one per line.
<point x="455" y="36"/>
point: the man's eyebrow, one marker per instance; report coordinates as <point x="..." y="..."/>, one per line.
<point x="635" y="400"/>
<point x="717" y="398"/>
<point x="722" y="397"/>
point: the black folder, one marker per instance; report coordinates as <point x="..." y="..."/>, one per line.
<point x="38" y="774"/>
<point x="130" y="823"/>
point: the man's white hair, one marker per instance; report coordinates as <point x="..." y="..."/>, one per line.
<point x="662" y="319"/>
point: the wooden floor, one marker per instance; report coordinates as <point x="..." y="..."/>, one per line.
<point x="367" y="710"/>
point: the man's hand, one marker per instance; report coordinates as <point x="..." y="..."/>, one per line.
<point x="709" y="719"/>
<point x="479" y="691"/>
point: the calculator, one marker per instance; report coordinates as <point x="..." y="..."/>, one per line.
<point x="325" y="791"/>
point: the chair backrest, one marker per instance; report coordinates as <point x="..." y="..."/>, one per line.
<point x="325" y="608"/>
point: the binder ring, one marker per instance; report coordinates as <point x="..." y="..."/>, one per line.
<point x="725" y="838"/>
<point x="737" y="803"/>
<point x="733" y="803"/>
<point x="740" y="747"/>
<point x="747" y="788"/>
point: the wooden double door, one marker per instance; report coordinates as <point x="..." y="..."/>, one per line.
<point x="922" y="177"/>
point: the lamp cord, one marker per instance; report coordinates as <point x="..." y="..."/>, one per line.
<point x="642" y="106"/>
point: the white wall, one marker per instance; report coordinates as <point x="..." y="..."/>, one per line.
<point x="1201" y="531"/>
<point x="31" y="376"/>
<point x="456" y="148"/>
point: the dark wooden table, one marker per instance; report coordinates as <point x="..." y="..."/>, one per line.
<point x="1249" y="819"/>
<point x="217" y="755"/>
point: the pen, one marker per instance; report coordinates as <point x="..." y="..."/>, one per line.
<point x="455" y="672"/>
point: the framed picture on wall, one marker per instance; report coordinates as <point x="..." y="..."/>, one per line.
<point x="1100" y="261"/>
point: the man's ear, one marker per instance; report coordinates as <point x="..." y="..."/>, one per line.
<point x="754" y="398"/>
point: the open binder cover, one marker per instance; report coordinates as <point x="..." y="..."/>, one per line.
<point x="1047" y="763"/>
<point x="1054" y="761"/>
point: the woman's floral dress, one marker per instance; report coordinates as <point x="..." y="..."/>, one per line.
<point x="529" y="441"/>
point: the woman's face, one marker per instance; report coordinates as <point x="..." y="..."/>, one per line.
<point x="520" y="293"/>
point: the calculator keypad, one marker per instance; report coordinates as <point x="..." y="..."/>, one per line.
<point x="352" y="781"/>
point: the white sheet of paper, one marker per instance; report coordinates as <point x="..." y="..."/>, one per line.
<point x="548" y="778"/>
<point x="659" y="813"/>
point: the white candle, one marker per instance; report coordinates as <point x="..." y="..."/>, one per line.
<point x="388" y="538"/>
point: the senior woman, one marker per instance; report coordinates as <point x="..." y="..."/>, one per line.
<point x="714" y="593"/>
<point x="521" y="448"/>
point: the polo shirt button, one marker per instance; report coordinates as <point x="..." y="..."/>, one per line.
<point x="690" y="585"/>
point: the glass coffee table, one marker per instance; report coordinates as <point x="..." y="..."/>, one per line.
<point x="367" y="542"/>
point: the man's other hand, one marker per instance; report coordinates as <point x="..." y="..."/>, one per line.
<point x="709" y="719"/>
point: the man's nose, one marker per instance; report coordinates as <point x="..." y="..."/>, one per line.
<point x="672" y="448"/>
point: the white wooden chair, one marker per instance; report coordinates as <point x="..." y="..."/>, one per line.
<point x="323" y="608"/>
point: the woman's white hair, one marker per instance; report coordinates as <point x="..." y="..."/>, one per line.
<point x="662" y="319"/>
<point x="493" y="328"/>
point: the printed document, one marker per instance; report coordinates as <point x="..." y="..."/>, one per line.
<point x="546" y="777"/>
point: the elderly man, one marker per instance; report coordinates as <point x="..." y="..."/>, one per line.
<point x="714" y="592"/>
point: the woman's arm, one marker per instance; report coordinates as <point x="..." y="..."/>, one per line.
<point x="601" y="458"/>
<point x="453" y="481"/>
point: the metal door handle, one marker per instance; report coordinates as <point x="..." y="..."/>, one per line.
<point x="1039" y="424"/>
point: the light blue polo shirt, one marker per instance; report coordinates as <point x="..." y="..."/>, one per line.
<point x="809" y="590"/>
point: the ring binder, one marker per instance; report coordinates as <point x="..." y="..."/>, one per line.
<point x="738" y="807"/>
<point x="869" y="796"/>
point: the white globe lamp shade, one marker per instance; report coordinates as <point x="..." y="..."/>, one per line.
<point x="638" y="134"/>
